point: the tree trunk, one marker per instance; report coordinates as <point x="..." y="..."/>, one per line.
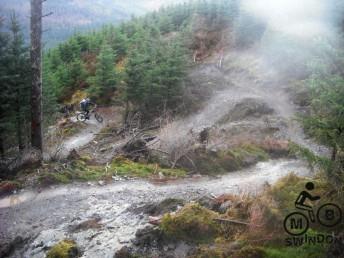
<point x="334" y="153"/>
<point x="2" y="148"/>
<point x="126" y="113"/>
<point x="19" y="124"/>
<point x="36" y="61"/>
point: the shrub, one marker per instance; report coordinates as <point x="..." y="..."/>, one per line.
<point x="65" y="249"/>
<point x="193" y="223"/>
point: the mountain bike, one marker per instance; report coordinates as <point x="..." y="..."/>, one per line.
<point x="82" y="116"/>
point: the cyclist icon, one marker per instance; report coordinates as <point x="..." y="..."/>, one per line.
<point x="301" y="199"/>
<point x="297" y="223"/>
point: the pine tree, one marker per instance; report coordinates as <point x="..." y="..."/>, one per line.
<point x="18" y="70"/>
<point x="5" y="90"/>
<point x="104" y="80"/>
<point x="326" y="120"/>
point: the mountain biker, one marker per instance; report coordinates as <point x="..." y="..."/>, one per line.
<point x="85" y="106"/>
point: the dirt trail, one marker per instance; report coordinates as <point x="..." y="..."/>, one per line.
<point x="46" y="217"/>
<point x="84" y="137"/>
<point x="93" y="127"/>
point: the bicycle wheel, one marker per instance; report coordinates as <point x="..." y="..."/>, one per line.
<point x="98" y="117"/>
<point x="81" y="117"/>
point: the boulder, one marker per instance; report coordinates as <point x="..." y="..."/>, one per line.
<point x="6" y="249"/>
<point x="208" y="202"/>
<point x="73" y="155"/>
<point x="225" y="206"/>
<point x="86" y="225"/>
<point x="160" y="208"/>
<point x="147" y="236"/>
<point x="124" y="252"/>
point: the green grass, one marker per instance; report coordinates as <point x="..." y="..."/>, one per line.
<point x="230" y="160"/>
<point x="81" y="171"/>
<point x="125" y="167"/>
<point x="240" y="153"/>
<point x="305" y="251"/>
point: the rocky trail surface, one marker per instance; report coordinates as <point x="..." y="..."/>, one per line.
<point x="43" y="219"/>
<point x="84" y="137"/>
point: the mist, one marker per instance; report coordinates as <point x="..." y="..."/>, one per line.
<point x="295" y="31"/>
<point x="291" y="34"/>
<point x="307" y="18"/>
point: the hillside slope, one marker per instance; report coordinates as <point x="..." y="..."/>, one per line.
<point x="70" y="16"/>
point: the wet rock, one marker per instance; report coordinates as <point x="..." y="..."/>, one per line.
<point x="208" y="202"/>
<point x="6" y="249"/>
<point x="86" y="225"/>
<point x="157" y="209"/>
<point x="147" y="235"/>
<point x="225" y="206"/>
<point x="124" y="252"/>
<point x="167" y="205"/>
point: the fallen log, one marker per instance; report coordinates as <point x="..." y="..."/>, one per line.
<point x="232" y="221"/>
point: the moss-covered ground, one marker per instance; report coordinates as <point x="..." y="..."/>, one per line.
<point x="263" y="236"/>
<point x="83" y="170"/>
<point x="64" y="249"/>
